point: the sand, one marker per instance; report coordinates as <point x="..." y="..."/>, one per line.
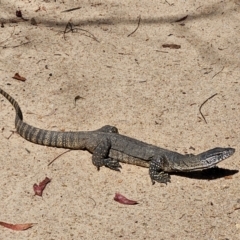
<point x="87" y="68"/>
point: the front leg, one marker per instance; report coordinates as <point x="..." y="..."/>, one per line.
<point x="100" y="156"/>
<point x="157" y="164"/>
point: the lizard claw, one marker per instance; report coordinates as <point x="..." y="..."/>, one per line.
<point x="162" y="177"/>
<point x="156" y="170"/>
<point x="112" y="164"/>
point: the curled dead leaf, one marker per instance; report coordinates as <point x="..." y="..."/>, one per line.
<point x="17" y="227"/>
<point x="18" y="77"/>
<point x="38" y="189"/>
<point x="121" y="199"/>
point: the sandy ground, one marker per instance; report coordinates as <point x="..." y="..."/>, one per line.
<point x="149" y="92"/>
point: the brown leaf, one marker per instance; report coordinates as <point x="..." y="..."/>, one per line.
<point x="38" y="189"/>
<point x="17" y="227"/>
<point x="18" y="77"/>
<point x="121" y="199"/>
<point x="172" y="46"/>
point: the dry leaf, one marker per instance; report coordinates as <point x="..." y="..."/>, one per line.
<point x="18" y="77"/>
<point x="38" y="189"/>
<point x="121" y="199"/>
<point x="172" y="46"/>
<point x="17" y="227"/>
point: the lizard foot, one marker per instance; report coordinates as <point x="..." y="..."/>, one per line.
<point x="161" y="177"/>
<point x="155" y="171"/>
<point x="112" y="164"/>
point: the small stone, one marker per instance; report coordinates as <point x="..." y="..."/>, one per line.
<point x="33" y="21"/>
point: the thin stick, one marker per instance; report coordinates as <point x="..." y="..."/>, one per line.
<point x="169" y="3"/>
<point x="10" y="135"/>
<point x="71" y="29"/>
<point x="58" y="156"/>
<point x="139" y="19"/>
<point x="93" y="201"/>
<point x="72" y="9"/>
<point x="16" y="45"/>
<point x="8" y="37"/>
<point x="69" y="25"/>
<point x="91" y="35"/>
<point x="203" y="104"/>
<point x="217" y="73"/>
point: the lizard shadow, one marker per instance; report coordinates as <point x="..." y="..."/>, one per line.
<point x="208" y="174"/>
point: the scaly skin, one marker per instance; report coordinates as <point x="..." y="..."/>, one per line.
<point x="108" y="148"/>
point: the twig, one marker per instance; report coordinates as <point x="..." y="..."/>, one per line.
<point x="203" y="104"/>
<point x="10" y="36"/>
<point x="182" y="216"/>
<point x="236" y="208"/>
<point x="58" y="156"/>
<point x="169" y="3"/>
<point x="25" y="43"/>
<point x="91" y="35"/>
<point x="51" y="113"/>
<point x="94" y="202"/>
<point x="10" y="135"/>
<point x="139" y="20"/>
<point x="72" y="9"/>
<point x="161" y="51"/>
<point x="70" y="25"/>
<point x="182" y="19"/>
<point x="217" y="73"/>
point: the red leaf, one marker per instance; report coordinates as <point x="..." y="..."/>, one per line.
<point x="38" y="189"/>
<point x="17" y="227"/>
<point x="121" y="199"/>
<point x="18" y="77"/>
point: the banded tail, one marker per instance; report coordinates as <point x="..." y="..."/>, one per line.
<point x="19" y="115"/>
<point x="69" y="140"/>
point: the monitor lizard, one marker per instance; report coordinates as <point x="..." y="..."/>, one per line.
<point x="108" y="148"/>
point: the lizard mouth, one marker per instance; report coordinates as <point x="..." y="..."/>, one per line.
<point x="206" y="159"/>
<point x="216" y="155"/>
